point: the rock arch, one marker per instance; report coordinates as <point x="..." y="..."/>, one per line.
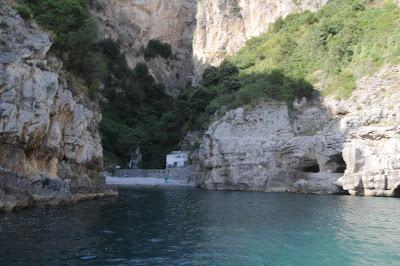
<point x="336" y="164"/>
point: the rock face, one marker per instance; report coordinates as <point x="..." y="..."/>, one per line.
<point x="223" y="26"/>
<point x="49" y="141"/>
<point x="372" y="149"/>
<point x="134" y="22"/>
<point x="269" y="149"/>
<point x="213" y="28"/>
<point x="320" y="146"/>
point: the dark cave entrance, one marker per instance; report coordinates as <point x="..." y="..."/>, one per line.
<point x="336" y="164"/>
<point x="396" y="191"/>
<point x="309" y="166"/>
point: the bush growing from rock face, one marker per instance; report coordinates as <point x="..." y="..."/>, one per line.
<point x="157" y="48"/>
<point x="24" y="11"/>
<point x="76" y="40"/>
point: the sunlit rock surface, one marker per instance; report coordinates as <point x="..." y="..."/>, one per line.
<point x="49" y="141"/>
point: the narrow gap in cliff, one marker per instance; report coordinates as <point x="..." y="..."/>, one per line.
<point x="336" y="164"/>
<point x="309" y="166"/>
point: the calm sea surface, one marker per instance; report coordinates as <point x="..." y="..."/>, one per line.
<point x="195" y="227"/>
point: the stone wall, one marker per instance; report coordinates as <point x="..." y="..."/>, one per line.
<point x="180" y="173"/>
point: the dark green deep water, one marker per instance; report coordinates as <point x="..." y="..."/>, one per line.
<point x="192" y="227"/>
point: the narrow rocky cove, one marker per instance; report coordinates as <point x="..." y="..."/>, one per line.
<point x="210" y="132"/>
<point x="163" y="64"/>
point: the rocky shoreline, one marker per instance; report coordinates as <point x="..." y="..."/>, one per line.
<point x="319" y="146"/>
<point x="9" y="203"/>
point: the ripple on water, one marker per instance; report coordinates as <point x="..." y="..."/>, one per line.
<point x="187" y="226"/>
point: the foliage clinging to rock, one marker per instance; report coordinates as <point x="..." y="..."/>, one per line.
<point x="333" y="47"/>
<point x="156" y="47"/>
<point x="24" y="11"/>
<point x="76" y="38"/>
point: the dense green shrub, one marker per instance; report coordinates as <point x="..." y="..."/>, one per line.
<point x="76" y="38"/>
<point x="337" y="42"/>
<point x="137" y="112"/>
<point x="24" y="11"/>
<point x="157" y="48"/>
<point x="236" y="9"/>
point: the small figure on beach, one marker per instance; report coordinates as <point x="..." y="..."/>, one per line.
<point x="136" y="158"/>
<point x="166" y="179"/>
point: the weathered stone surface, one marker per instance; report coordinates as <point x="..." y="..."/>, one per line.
<point x="135" y="22"/>
<point x="372" y="150"/>
<point x="49" y="140"/>
<point x="268" y="148"/>
<point x="319" y="183"/>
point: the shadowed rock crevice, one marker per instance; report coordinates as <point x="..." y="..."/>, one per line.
<point x="336" y="164"/>
<point x="309" y="166"/>
<point x="396" y="191"/>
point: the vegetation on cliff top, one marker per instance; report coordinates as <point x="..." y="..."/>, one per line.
<point x="333" y="47"/>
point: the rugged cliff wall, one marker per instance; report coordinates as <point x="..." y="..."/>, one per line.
<point x="307" y="149"/>
<point x="223" y="26"/>
<point x="214" y="28"/>
<point x="134" y="23"/>
<point x="49" y="141"/>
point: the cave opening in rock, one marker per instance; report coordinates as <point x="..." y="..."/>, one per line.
<point x="396" y="191"/>
<point x="336" y="164"/>
<point x="309" y="166"/>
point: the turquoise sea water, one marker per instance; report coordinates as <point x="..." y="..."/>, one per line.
<point x="195" y="227"/>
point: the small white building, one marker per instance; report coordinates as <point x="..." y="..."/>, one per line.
<point x="177" y="159"/>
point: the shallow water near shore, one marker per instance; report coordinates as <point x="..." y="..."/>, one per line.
<point x="185" y="226"/>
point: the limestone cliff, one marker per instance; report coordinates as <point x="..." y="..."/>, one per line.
<point x="135" y="22"/>
<point x="201" y="33"/>
<point x="50" y="148"/>
<point x="317" y="147"/>
<point x="223" y="26"/>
